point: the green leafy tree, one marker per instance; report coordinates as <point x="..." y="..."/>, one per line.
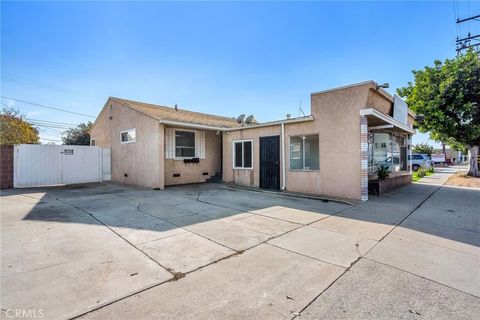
<point x="79" y="135"/>
<point x="446" y="98"/>
<point x="14" y="129"/>
<point x="423" y="148"/>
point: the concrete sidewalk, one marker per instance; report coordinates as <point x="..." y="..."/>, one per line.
<point x="426" y="267"/>
<point x="203" y="252"/>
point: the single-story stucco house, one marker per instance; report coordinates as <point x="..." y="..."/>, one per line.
<point x="333" y="151"/>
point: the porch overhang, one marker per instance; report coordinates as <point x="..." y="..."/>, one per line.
<point x="379" y="120"/>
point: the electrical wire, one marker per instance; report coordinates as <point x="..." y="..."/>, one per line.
<point x="44" y="85"/>
<point x="52" y="122"/>
<point x="48" y="107"/>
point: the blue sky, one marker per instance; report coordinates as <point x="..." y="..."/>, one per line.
<point x="221" y="58"/>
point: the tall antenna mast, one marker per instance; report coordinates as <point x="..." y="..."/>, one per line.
<point x="300" y="110"/>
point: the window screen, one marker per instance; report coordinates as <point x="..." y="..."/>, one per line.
<point x="238" y="154"/>
<point x="296" y="153"/>
<point x="304" y="153"/>
<point x="184" y="144"/>
<point x="242" y="154"/>
<point x="311" y="153"/>
<point x="247" y="154"/>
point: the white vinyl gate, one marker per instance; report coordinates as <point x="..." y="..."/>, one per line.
<point x="46" y="165"/>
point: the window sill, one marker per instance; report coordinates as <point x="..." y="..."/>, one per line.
<point x="303" y="170"/>
<point x="242" y="168"/>
<point x="127" y="142"/>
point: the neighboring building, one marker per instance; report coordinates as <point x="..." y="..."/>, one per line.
<point x="333" y="151"/>
<point x="452" y="156"/>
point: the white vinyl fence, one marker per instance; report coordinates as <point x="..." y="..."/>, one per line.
<point x="46" y="165"/>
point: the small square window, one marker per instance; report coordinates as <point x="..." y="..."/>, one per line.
<point x="304" y="153"/>
<point x="92" y="142"/>
<point x="128" y="136"/>
<point x="184" y="144"/>
<point x="242" y="154"/>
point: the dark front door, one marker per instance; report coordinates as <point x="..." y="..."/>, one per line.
<point x="270" y="162"/>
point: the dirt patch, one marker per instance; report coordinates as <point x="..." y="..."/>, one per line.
<point x="462" y="180"/>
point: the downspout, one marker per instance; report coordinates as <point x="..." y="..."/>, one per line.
<point x="282" y="138"/>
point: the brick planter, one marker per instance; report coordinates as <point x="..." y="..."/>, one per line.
<point x="378" y="187"/>
<point x="6" y="167"/>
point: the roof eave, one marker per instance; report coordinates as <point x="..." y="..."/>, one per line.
<point x="272" y="123"/>
<point x="191" y="125"/>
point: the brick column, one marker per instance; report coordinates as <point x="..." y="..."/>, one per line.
<point x="6" y="167"/>
<point x="364" y="157"/>
<point x="409" y="153"/>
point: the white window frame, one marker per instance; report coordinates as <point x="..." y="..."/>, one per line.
<point x="303" y="136"/>
<point x="94" y="142"/>
<point x="175" y="143"/>
<point x="243" y="152"/>
<point x="129" y="141"/>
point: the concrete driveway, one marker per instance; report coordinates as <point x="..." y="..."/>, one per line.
<point x="109" y="251"/>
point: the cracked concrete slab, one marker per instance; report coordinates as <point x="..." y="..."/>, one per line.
<point x="229" y="234"/>
<point x="291" y="214"/>
<point x="184" y="252"/>
<point x="354" y="227"/>
<point x="324" y="245"/>
<point x="439" y="241"/>
<point x="269" y="226"/>
<point x="149" y="230"/>
<point x="70" y="264"/>
<point x="371" y="290"/>
<point x="67" y="256"/>
<point x="265" y="282"/>
<point x="441" y="264"/>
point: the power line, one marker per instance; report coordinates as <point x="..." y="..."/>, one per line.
<point x="44" y="127"/>
<point x="53" y="140"/>
<point x="469" y="41"/>
<point x="44" y="85"/>
<point x="52" y="122"/>
<point x="48" y="107"/>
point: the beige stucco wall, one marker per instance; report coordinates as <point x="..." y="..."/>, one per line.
<point x="193" y="172"/>
<point x="245" y="177"/>
<point x="379" y="102"/>
<point x="337" y="122"/>
<point x="140" y="160"/>
<point x="337" y="115"/>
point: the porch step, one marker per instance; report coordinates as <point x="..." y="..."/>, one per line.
<point x="217" y="178"/>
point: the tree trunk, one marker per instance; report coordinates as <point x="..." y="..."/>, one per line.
<point x="473" y="170"/>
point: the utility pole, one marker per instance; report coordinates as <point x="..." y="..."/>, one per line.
<point x="470" y="41"/>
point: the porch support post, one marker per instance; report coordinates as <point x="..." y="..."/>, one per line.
<point x="409" y="149"/>
<point x="364" y="157"/>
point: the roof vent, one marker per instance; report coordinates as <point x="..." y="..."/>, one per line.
<point x="176" y="108"/>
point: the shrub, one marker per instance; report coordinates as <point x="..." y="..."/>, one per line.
<point x="382" y="172"/>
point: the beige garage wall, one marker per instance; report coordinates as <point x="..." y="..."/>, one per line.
<point x="245" y="177"/>
<point x="193" y="172"/>
<point x="134" y="163"/>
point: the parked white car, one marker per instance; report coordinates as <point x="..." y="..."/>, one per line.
<point x="420" y="160"/>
